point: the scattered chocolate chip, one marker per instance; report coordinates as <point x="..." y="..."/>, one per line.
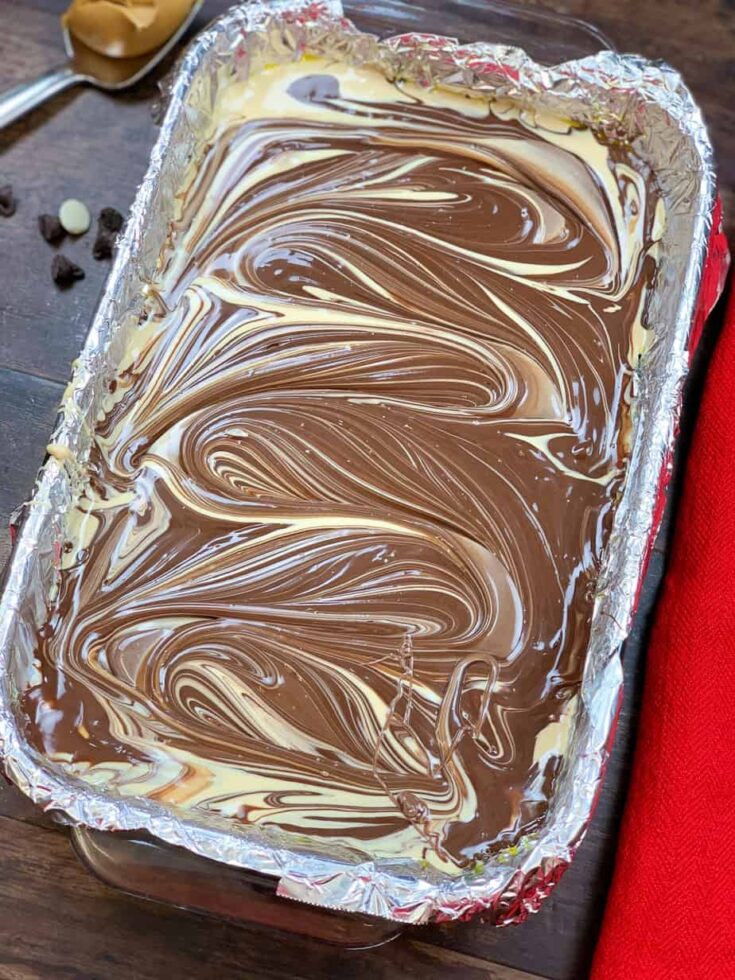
<point x="64" y="271"/>
<point x="103" y="243"/>
<point x="7" y="201"/>
<point x="74" y="216"/>
<point x="110" y="220"/>
<point x="51" y="228"/>
<point x="109" y="224"/>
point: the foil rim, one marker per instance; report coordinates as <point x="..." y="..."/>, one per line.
<point x="647" y="103"/>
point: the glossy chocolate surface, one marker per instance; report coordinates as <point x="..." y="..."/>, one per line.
<point x="335" y="566"/>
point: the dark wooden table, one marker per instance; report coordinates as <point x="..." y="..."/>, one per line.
<point x="56" y="920"/>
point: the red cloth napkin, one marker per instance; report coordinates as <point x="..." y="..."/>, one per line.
<point x="671" y="909"/>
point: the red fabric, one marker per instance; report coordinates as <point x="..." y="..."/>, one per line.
<point x="671" y="910"/>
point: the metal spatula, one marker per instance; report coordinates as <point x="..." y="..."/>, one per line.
<point x="85" y="67"/>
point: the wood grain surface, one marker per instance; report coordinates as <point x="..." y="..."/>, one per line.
<point x="55" y="919"/>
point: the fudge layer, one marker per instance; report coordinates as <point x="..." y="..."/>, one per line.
<point x="335" y="564"/>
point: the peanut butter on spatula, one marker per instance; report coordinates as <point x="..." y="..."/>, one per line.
<point x="125" y="28"/>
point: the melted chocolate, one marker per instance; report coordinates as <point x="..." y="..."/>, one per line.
<point x="335" y="566"/>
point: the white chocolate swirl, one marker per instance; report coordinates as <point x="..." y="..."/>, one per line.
<point x="335" y="566"/>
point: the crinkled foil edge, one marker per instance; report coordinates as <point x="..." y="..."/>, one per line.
<point x="621" y="95"/>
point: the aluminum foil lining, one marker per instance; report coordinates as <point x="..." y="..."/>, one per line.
<point x="621" y="96"/>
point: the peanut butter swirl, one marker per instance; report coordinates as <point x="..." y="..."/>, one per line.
<point x="335" y="565"/>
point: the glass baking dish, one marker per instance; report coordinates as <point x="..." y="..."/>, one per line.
<point x="142" y="866"/>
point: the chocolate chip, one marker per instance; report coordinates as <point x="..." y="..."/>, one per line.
<point x="74" y="216"/>
<point x="110" y="220"/>
<point x="51" y="228"/>
<point x="109" y="224"/>
<point x="103" y="243"/>
<point x="64" y="271"/>
<point x="7" y="201"/>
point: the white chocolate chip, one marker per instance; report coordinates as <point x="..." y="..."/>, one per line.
<point x="74" y="216"/>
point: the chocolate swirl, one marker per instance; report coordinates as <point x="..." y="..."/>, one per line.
<point x="335" y="566"/>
